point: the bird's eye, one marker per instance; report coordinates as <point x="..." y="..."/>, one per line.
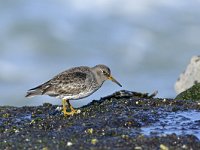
<point x="104" y="73"/>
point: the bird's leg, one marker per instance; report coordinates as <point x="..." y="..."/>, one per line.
<point x="64" y="107"/>
<point x="73" y="111"/>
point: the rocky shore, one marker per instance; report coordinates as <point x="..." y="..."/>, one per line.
<point x="123" y="120"/>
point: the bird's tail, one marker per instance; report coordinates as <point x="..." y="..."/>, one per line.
<point x="39" y="90"/>
<point x="32" y="93"/>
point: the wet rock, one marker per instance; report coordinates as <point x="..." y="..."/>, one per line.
<point x="114" y="122"/>
<point x="190" y="76"/>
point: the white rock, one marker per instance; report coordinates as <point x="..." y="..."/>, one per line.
<point x="191" y="75"/>
<point x="69" y="143"/>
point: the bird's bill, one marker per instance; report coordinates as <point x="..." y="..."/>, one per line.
<point x="113" y="80"/>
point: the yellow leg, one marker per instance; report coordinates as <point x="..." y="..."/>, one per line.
<point x="73" y="111"/>
<point x="64" y="106"/>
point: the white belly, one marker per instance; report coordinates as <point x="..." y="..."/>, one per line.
<point x="78" y="96"/>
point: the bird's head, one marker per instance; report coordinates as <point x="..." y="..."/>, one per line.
<point x="103" y="72"/>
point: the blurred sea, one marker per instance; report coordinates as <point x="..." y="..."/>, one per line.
<point x="146" y="43"/>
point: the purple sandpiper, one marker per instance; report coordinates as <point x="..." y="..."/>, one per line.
<point x="74" y="83"/>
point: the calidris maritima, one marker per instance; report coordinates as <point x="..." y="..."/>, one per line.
<point x="75" y="83"/>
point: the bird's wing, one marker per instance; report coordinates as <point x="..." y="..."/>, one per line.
<point x="71" y="83"/>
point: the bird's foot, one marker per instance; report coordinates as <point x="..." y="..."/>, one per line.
<point x="71" y="113"/>
<point x="72" y="110"/>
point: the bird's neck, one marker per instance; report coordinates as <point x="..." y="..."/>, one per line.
<point x="98" y="78"/>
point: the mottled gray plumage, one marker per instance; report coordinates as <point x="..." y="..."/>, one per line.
<point x="75" y="83"/>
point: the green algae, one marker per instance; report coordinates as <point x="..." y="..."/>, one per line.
<point x="192" y="93"/>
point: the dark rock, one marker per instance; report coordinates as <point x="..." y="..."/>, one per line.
<point x="114" y="122"/>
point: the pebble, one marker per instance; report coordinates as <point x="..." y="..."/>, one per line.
<point x="69" y="144"/>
